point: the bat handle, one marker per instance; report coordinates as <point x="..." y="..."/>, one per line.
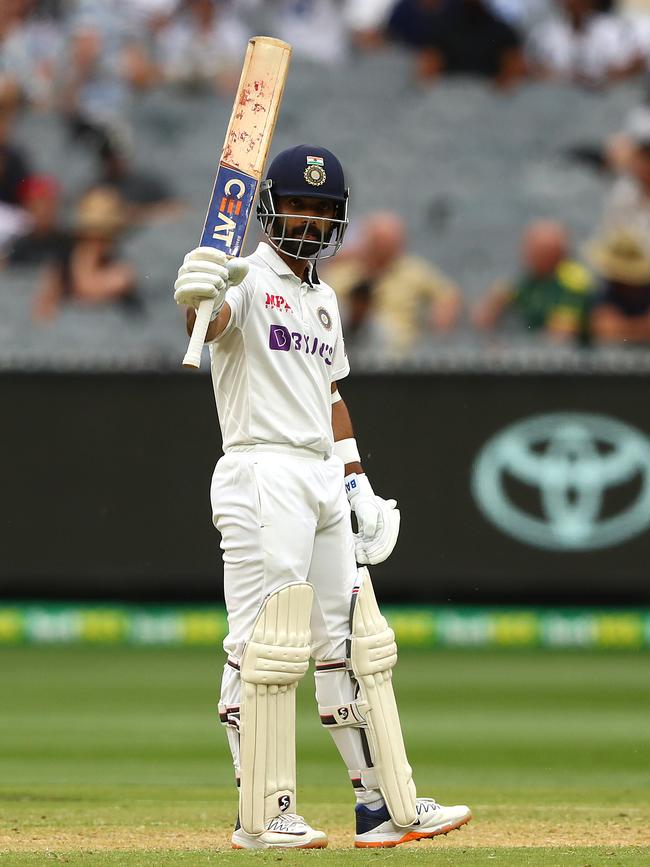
<point x="201" y="324"/>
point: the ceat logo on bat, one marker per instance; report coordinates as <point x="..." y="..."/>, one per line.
<point x="229" y="207"/>
<point x="229" y="211"/>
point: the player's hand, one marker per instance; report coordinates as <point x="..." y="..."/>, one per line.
<point x="207" y="273"/>
<point x="377" y="520"/>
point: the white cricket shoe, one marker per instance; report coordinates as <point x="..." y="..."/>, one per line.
<point x="375" y="828"/>
<point x="286" y="831"/>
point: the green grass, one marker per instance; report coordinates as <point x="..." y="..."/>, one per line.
<point x="114" y="756"/>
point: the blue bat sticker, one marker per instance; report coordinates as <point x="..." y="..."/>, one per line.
<point x="229" y="211"/>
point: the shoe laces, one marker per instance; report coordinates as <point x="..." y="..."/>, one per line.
<point x="423" y="805"/>
<point x="284" y="822"/>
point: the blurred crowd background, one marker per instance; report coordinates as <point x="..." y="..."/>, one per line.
<point x="498" y="154"/>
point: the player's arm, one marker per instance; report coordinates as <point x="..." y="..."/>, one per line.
<point x="342" y="430"/>
<point x="377" y="519"/>
<point x="207" y="274"/>
<point x="215" y="328"/>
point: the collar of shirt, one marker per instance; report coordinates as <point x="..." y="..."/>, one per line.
<point x="268" y="254"/>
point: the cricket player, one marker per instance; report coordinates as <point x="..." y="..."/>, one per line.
<point x="296" y="581"/>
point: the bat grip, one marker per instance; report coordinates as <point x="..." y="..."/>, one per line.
<point x="201" y="324"/>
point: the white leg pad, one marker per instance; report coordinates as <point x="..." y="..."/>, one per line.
<point x="372" y="657"/>
<point x="275" y="658"/>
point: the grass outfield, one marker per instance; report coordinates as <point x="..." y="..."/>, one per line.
<point x="113" y="756"/>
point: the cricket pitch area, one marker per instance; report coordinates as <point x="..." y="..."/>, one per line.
<point x="114" y="756"/>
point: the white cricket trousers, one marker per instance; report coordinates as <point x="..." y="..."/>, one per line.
<point x="284" y="516"/>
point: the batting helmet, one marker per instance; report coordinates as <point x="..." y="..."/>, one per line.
<point x="306" y="171"/>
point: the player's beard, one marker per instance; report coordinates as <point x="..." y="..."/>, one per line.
<point x="301" y="245"/>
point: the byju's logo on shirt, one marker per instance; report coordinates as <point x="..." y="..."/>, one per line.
<point x="277" y="302"/>
<point x="283" y="340"/>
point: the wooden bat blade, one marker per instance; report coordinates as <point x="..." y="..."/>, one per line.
<point x="246" y="144"/>
<point x="256" y="107"/>
<point x="242" y="161"/>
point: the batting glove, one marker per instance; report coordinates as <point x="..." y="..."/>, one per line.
<point x="207" y="273"/>
<point x="377" y="521"/>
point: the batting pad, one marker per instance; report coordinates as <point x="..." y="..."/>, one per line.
<point x="274" y="660"/>
<point x="372" y="656"/>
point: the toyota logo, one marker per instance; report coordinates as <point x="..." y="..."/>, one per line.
<point x="585" y="481"/>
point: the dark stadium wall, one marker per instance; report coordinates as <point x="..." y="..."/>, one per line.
<point x="105" y="482"/>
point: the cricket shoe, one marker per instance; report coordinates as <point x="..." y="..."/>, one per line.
<point x="286" y="831"/>
<point x="375" y="828"/>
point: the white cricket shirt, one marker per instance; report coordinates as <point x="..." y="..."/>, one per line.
<point x="273" y="365"/>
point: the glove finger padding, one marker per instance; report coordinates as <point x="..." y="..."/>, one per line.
<point x="237" y="270"/>
<point x="368" y="516"/>
<point x="200" y="278"/>
<point x="191" y="291"/>
<point x="379" y="548"/>
<point x="201" y="266"/>
<point x="207" y="253"/>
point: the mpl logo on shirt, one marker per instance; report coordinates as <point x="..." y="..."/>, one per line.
<point x="277" y="302"/>
<point x="590" y="475"/>
<point x="283" y="340"/>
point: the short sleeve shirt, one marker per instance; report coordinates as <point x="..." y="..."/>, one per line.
<point x="606" y="43"/>
<point x="273" y="365"/>
<point x="627" y="208"/>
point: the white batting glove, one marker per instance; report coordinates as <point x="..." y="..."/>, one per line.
<point x="207" y="273"/>
<point x="377" y="520"/>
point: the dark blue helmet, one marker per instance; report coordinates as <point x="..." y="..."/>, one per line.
<point x="307" y="171"/>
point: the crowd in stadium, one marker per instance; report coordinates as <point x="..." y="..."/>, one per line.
<point x="82" y="61"/>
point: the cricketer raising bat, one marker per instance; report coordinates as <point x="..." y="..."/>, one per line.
<point x="241" y="165"/>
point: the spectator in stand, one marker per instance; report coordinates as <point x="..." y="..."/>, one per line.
<point x="14" y="169"/>
<point x="384" y="290"/>
<point x="44" y="240"/>
<point x="620" y="147"/>
<point x="366" y="22"/>
<point x="411" y="21"/>
<point x="622" y="307"/>
<point x="462" y="37"/>
<point x="104" y="64"/>
<point x="582" y="43"/>
<point x="627" y="205"/>
<point x="317" y="29"/>
<point x="147" y="16"/>
<point x="14" y="166"/>
<point x="203" y="45"/>
<point x="90" y="271"/>
<point x="9" y="90"/>
<point x="30" y="46"/>
<point x="146" y="195"/>
<point x="521" y="14"/>
<point x="552" y="293"/>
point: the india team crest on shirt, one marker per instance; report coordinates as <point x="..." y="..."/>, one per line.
<point x="325" y="318"/>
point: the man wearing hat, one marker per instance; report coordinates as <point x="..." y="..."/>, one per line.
<point x="622" y="308"/>
<point x="628" y="204"/>
<point x="281" y="499"/>
<point x="88" y="269"/>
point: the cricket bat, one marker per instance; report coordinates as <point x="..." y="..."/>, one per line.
<point x="242" y="161"/>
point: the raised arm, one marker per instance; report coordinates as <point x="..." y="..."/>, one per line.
<point x="214" y="328"/>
